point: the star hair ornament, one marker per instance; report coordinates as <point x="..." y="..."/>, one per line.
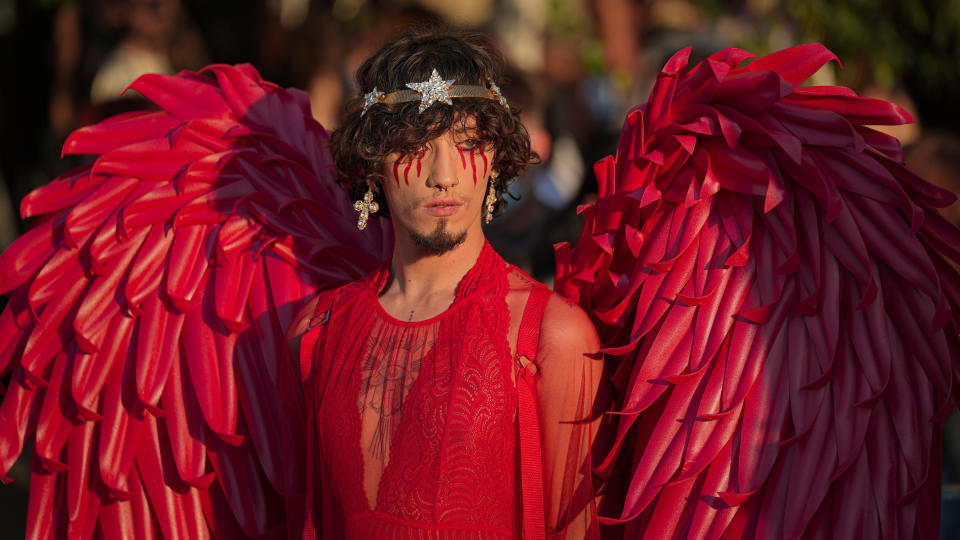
<point x="496" y="91"/>
<point x="433" y="90"/>
<point x="370" y="98"/>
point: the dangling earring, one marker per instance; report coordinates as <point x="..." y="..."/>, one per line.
<point x="491" y="200"/>
<point x="366" y="207"/>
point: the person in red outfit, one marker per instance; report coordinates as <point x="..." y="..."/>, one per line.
<point x="774" y="293"/>
<point x="411" y="372"/>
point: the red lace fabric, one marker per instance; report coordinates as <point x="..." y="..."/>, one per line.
<point x="416" y="422"/>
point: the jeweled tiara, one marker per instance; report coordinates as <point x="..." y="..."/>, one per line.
<point x="433" y="90"/>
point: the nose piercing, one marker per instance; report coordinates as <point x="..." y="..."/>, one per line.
<point x="445" y="188"/>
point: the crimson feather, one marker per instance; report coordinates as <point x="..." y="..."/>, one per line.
<point x="147" y="310"/>
<point x="783" y="318"/>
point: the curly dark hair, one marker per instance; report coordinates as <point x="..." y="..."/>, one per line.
<point x="362" y="144"/>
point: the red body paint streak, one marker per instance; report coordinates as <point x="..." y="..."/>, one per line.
<point x="396" y="165"/>
<point x="419" y="161"/>
<point x="463" y="159"/>
<point x="484" y="156"/>
<point x="473" y="164"/>
<point x="406" y="171"/>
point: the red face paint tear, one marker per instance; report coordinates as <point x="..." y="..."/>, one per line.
<point x="473" y="163"/>
<point x="406" y="171"/>
<point x="463" y="159"/>
<point x="409" y="163"/>
<point x="484" y="156"/>
<point x="396" y="165"/>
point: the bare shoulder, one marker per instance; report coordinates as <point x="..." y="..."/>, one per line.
<point x="565" y="326"/>
<point x="301" y="322"/>
<point x="565" y="329"/>
<point x="307" y="318"/>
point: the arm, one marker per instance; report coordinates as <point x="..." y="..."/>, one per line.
<point x="571" y="401"/>
<point x="301" y="323"/>
<point x="315" y="313"/>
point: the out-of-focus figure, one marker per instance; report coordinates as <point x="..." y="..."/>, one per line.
<point x="159" y="39"/>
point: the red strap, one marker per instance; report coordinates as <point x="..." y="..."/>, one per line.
<point x="531" y="467"/>
<point x="307" y="345"/>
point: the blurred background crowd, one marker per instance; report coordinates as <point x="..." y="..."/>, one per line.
<point x="576" y="66"/>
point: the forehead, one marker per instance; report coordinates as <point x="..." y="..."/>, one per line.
<point x="463" y="125"/>
<point x="464" y="121"/>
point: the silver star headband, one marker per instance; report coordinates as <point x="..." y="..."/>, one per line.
<point x="433" y="90"/>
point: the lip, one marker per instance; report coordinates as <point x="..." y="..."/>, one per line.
<point x="443" y="207"/>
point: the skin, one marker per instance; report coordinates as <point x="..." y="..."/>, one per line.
<point x="423" y="283"/>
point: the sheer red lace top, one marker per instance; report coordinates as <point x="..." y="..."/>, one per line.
<point x="415" y="422"/>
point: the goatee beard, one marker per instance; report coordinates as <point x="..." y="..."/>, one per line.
<point x="439" y="241"/>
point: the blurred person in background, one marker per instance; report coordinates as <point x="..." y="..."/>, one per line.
<point x="159" y="38"/>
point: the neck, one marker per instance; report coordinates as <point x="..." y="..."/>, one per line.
<point x="416" y="274"/>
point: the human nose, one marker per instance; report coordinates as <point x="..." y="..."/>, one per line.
<point x="445" y="171"/>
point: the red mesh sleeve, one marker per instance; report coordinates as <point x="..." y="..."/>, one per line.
<point x="570" y="396"/>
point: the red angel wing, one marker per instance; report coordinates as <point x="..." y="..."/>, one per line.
<point x="771" y="287"/>
<point x="147" y="310"/>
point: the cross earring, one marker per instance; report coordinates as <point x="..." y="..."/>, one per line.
<point x="491" y="200"/>
<point x="366" y="207"/>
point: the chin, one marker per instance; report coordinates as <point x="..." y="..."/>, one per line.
<point x="438" y="241"/>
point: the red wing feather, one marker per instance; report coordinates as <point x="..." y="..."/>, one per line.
<point x="783" y="318"/>
<point x="147" y="311"/>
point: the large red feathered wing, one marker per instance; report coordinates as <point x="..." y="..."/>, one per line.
<point x="147" y="309"/>
<point x="772" y="289"/>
